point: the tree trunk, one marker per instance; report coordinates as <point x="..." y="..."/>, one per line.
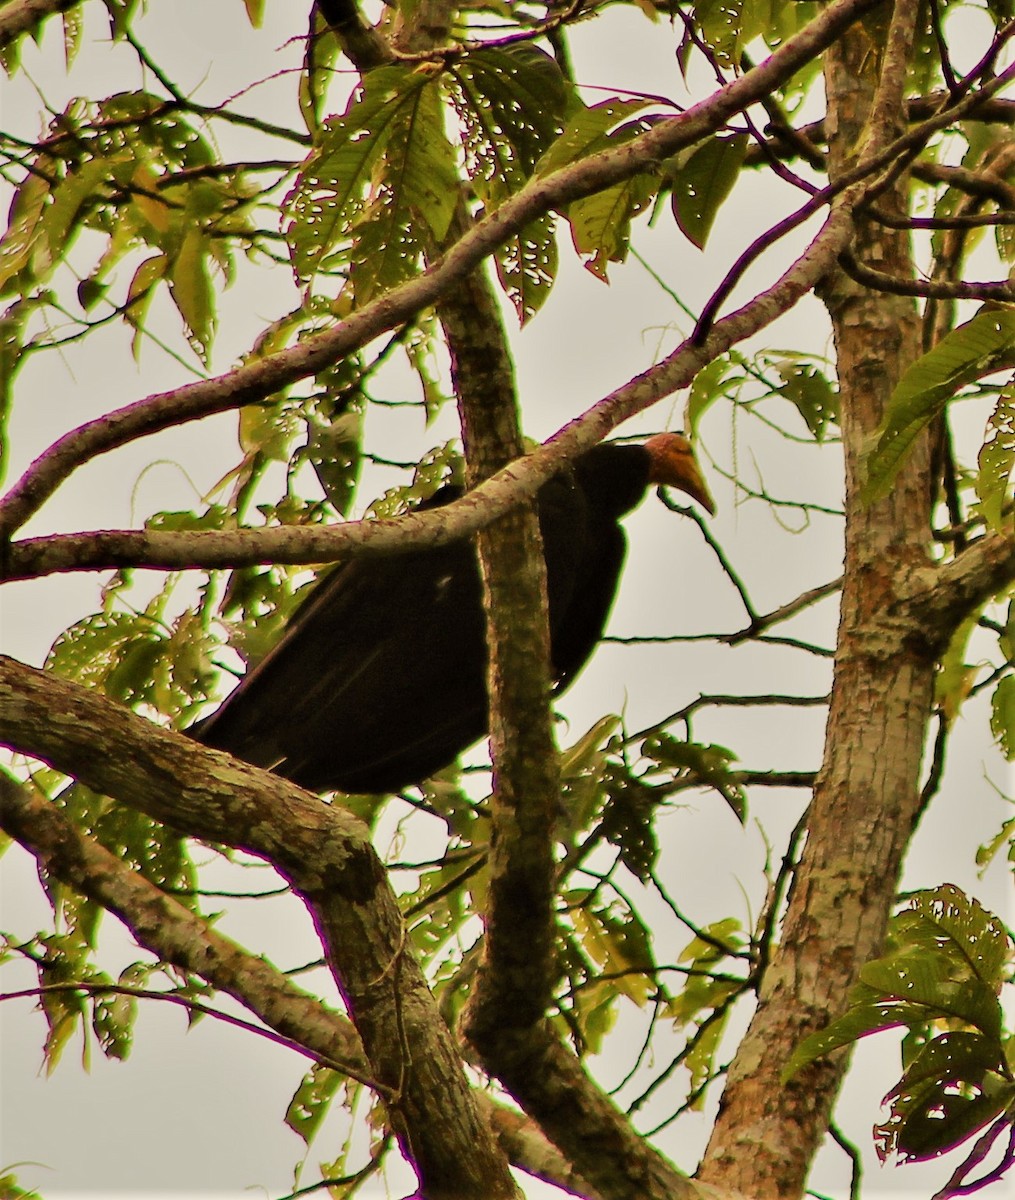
<point x="867" y="796"/>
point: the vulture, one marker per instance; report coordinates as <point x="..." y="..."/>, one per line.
<point x="379" y="679"/>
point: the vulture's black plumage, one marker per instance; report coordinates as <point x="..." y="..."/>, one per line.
<point x="380" y="679"/>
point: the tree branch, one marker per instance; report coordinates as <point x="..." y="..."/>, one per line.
<point x="254" y="381"/>
<point x="935" y="600"/>
<point x="174" y="934"/>
<point x="937" y="289"/>
<point x="521" y="479"/>
<point x="18" y="17"/>
<point x="326" y="854"/>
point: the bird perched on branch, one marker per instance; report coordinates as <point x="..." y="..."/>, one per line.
<point x="380" y="678"/>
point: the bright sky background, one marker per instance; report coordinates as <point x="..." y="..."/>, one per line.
<point x="200" y="1113"/>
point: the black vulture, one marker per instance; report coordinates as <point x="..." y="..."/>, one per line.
<point x="380" y="679"/>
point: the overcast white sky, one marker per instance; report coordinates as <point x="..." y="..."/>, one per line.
<point x="201" y="1112"/>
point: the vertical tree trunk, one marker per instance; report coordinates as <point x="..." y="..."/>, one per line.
<point x="866" y="799"/>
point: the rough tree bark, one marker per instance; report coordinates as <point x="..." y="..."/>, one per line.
<point x="867" y="796"/>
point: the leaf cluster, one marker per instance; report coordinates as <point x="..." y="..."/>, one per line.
<point x="949" y="961"/>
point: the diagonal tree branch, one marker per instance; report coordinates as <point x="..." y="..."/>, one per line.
<point x="492" y="498"/>
<point x="18" y="17"/>
<point x="256" y="380"/>
<point x="937" y="599"/>
<point x="326" y="854"/>
<point x="176" y="935"/>
<point x="171" y="931"/>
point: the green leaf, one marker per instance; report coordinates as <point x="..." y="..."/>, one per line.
<point x="1002" y="715"/>
<point x="64" y="1011"/>
<point x="704" y="999"/>
<point x="703" y="951"/>
<point x="190" y="287"/>
<point x="511" y="102"/>
<point x="953" y="1088"/>
<point x="945" y="919"/>
<point x="811" y="393"/>
<point x="380" y="188"/>
<point x="601" y="223"/>
<point x="703" y="182"/>
<point x="330" y="190"/>
<point x="708" y="386"/>
<point x="122" y="13"/>
<point x="955" y="676"/>
<point x="88" y="650"/>
<point x="863" y="1018"/>
<point x="997" y="460"/>
<point x="922" y="981"/>
<point x="950" y="959"/>
<point x="319" y="63"/>
<point x="628" y="815"/>
<point x="720" y="22"/>
<point x="312" y="1100"/>
<point x="72" y="202"/>
<point x="12" y="333"/>
<point x="527" y="266"/>
<point x="708" y="765"/>
<point x="700" y="1061"/>
<point x="72" y="26"/>
<point x="980" y="347"/>
<point x="586" y="132"/>
<point x="9" y="1189"/>
<point x="113" y="1018"/>
<point x="583" y="765"/>
<point x="334" y="449"/>
<point x="140" y="294"/>
<point x="24" y="227"/>
<point x="620" y="946"/>
<point x="413" y="205"/>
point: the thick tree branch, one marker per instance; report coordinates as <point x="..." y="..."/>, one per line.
<point x="361" y="43"/>
<point x="174" y="934"/>
<point x="254" y="381"/>
<point x="586" y="1125"/>
<point x="514" y="981"/>
<point x="38" y="556"/>
<point x="934" y="601"/>
<point x="18" y="17"/>
<point x="326" y="854"/>
<point x="513" y="984"/>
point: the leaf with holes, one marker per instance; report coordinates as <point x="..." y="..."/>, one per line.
<point x="957" y="1084"/>
<point x="511" y="103"/>
<point x="380" y="188"/>
<point x="980" y="347"/>
<point x="587" y="131"/>
<point x="703" y="182"/>
<point x="997" y="460"/>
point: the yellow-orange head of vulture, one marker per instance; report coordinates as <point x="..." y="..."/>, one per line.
<point x="674" y="465"/>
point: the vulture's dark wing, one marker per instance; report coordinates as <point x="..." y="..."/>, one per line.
<point x="584" y="555"/>
<point x="380" y="679"/>
<point x="378" y="682"/>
